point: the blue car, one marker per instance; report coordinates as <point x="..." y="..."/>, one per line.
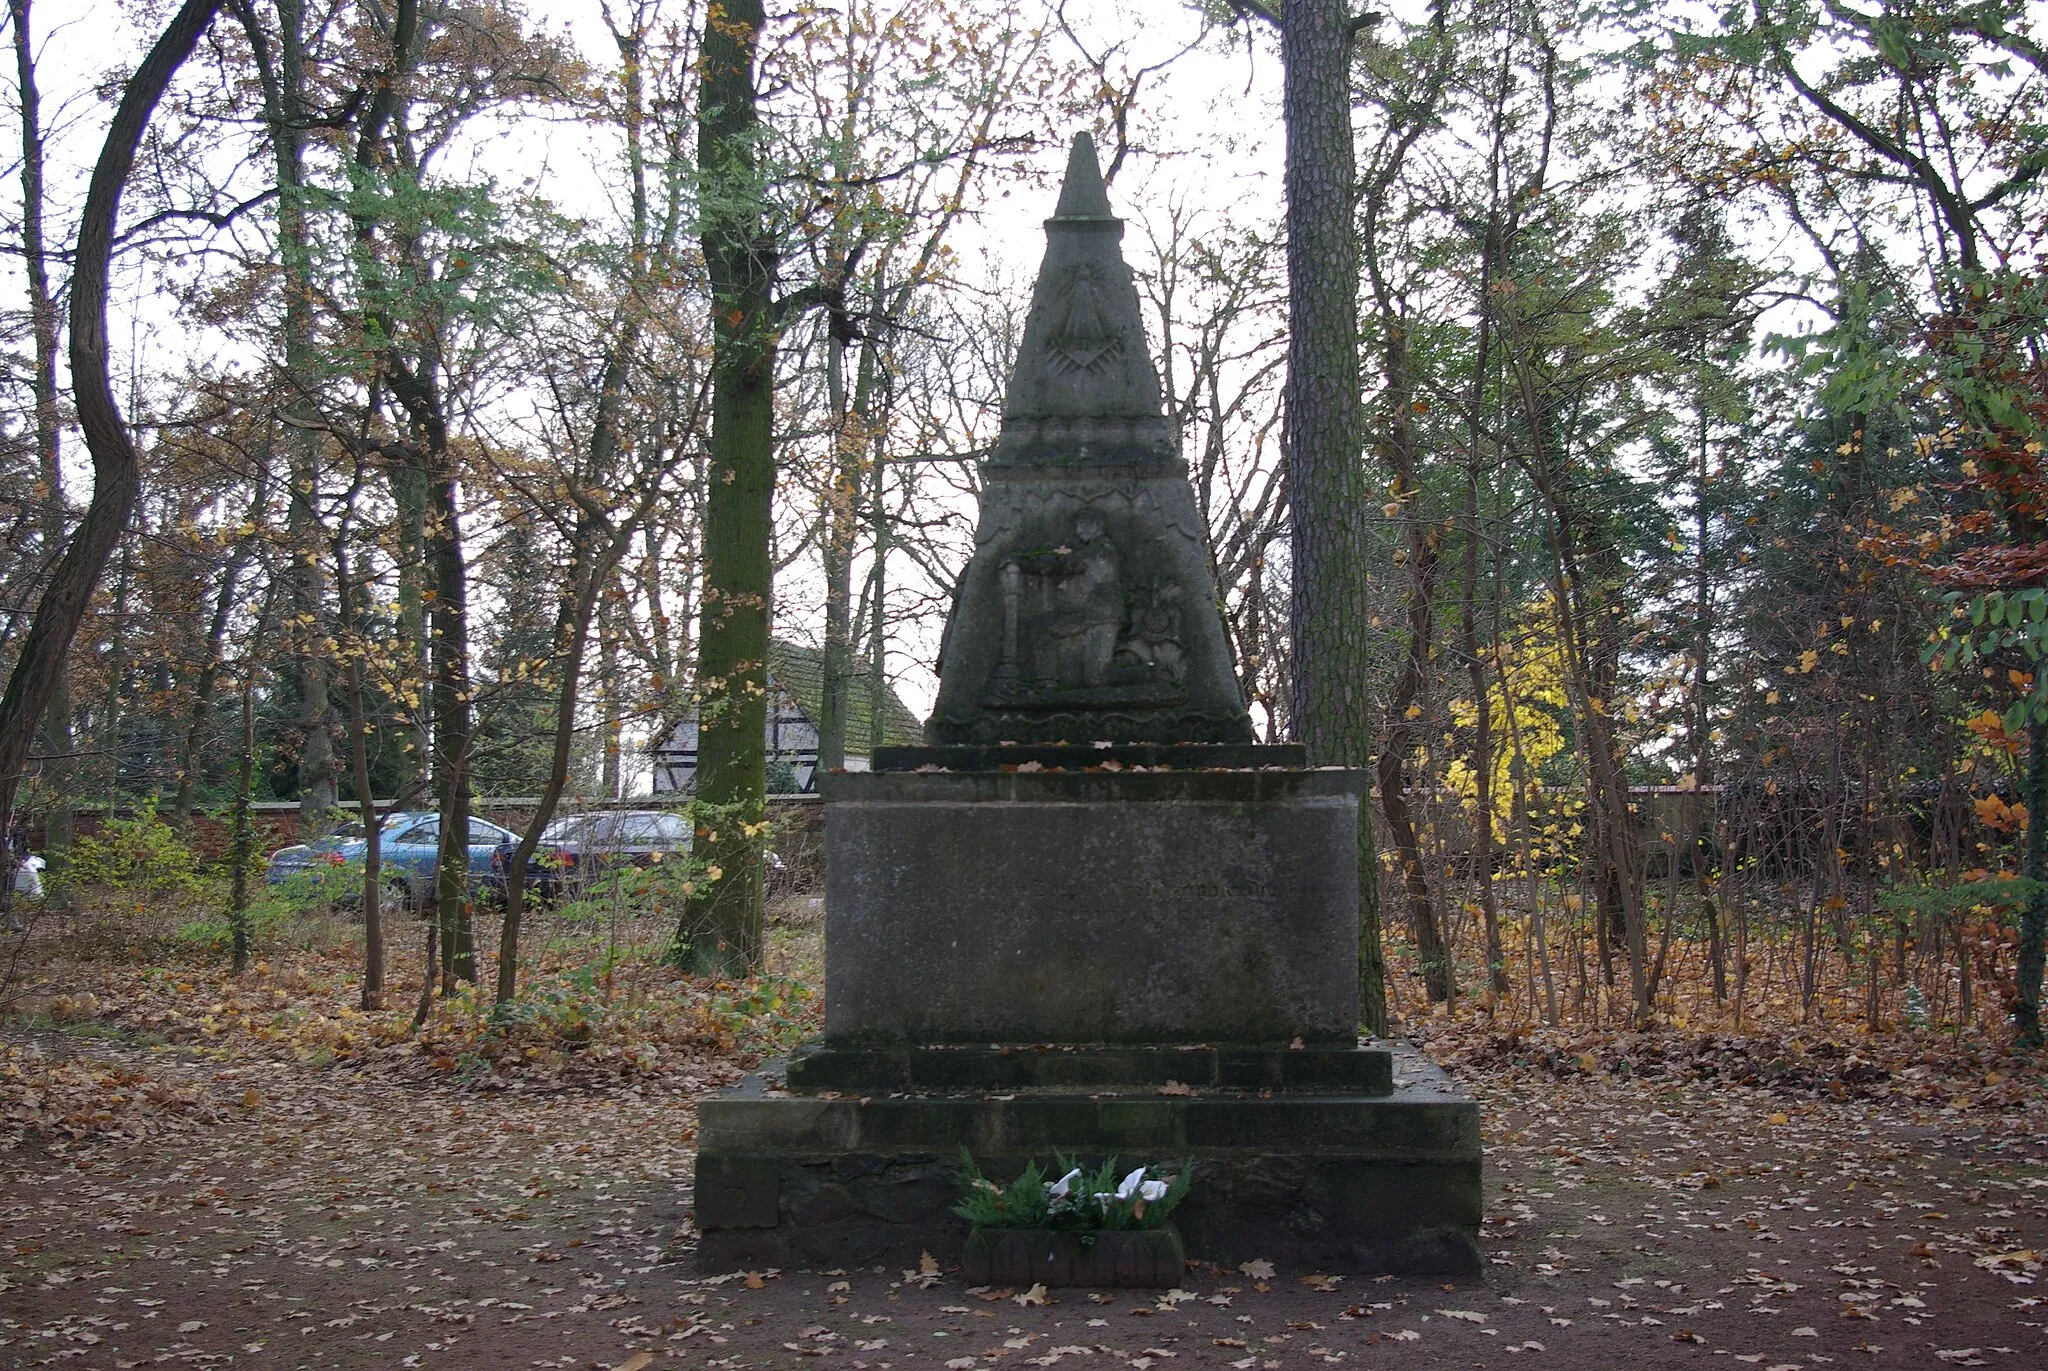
<point x="409" y="857"/>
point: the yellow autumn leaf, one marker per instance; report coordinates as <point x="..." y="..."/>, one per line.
<point x="1808" y="660"/>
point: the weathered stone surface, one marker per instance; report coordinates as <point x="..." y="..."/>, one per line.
<point x="1410" y="1124"/>
<point x="738" y="1190"/>
<point x="1145" y="1259"/>
<point x="1176" y="907"/>
<point x="1344" y="1183"/>
<point x="1043" y="1066"/>
<point x="1092" y="756"/>
<point x="1089" y="609"/>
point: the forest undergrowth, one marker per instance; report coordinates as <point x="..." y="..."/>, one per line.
<point x="601" y="1011"/>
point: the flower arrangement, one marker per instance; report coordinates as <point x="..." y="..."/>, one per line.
<point x="1078" y="1202"/>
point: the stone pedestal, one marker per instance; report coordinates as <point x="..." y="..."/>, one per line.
<point x="1153" y="965"/>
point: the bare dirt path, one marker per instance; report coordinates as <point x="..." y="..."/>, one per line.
<point x="327" y="1220"/>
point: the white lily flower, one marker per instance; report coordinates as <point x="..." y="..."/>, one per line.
<point x="1130" y="1184"/>
<point x="1152" y="1191"/>
<point x="1060" y="1187"/>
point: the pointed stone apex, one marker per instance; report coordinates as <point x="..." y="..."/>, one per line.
<point x="1082" y="195"/>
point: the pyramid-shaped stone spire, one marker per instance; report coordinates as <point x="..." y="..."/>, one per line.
<point x="1082" y="194"/>
<point x="1089" y="611"/>
<point x="1083" y="391"/>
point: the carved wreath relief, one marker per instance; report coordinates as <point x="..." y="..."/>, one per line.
<point x="1077" y="630"/>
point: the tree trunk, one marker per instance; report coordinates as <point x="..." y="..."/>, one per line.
<point x="409" y="498"/>
<point x="841" y="519"/>
<point x="878" y="607"/>
<point x="302" y="514"/>
<point x="209" y="674"/>
<point x="359" y="759"/>
<point x="453" y="719"/>
<point x="1325" y="479"/>
<point x="244" y="846"/>
<point x="592" y="566"/>
<point x="117" y="468"/>
<point x="572" y="639"/>
<point x="1698" y="830"/>
<point x="59" y="821"/>
<point x="721" y="929"/>
<point x="2034" y="913"/>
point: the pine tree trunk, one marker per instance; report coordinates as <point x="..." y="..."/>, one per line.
<point x="1325" y="479"/>
<point x="721" y="930"/>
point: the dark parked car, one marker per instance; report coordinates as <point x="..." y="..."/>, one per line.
<point x="576" y="849"/>
<point x="409" y="856"/>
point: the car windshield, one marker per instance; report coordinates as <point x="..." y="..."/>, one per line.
<point x="565" y="829"/>
<point x="658" y="829"/>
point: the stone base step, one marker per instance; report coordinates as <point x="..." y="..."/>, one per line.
<point x="1332" y="1182"/>
<point x="1109" y="1067"/>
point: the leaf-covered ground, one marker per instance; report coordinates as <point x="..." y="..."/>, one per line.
<point x="251" y="1192"/>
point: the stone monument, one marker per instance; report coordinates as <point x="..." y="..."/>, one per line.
<point x="1091" y="916"/>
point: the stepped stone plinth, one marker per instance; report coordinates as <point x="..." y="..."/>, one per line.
<point x="1092" y="916"/>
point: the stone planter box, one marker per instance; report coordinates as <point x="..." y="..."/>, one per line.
<point x="1131" y="1259"/>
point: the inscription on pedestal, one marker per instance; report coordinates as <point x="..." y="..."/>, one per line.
<point x="1091" y="908"/>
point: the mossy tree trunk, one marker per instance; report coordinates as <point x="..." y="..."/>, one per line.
<point x="721" y="930"/>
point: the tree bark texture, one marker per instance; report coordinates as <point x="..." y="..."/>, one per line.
<point x="117" y="468"/>
<point x="453" y="717"/>
<point x="56" y="771"/>
<point x="1328" y="707"/>
<point x="721" y="930"/>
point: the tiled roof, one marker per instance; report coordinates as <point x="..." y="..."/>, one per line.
<point x="800" y="671"/>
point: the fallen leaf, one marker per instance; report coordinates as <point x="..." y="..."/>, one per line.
<point x="1259" y="1269"/>
<point x="1035" y="1295"/>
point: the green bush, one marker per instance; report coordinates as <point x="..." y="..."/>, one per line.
<point x="140" y="857"/>
<point x="269" y="920"/>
